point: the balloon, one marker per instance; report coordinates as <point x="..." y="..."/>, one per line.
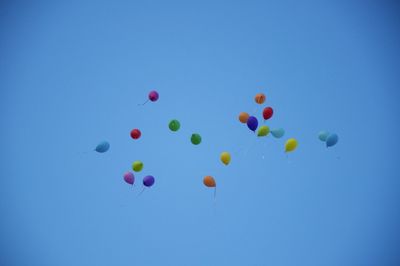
<point x="153" y="96"/>
<point x="148" y="181"/>
<point x="135" y="133"/>
<point x="209" y="181"/>
<point x="137" y="166"/>
<point x="195" y="139"/>
<point x="267" y="113"/>
<point x="102" y="147"/>
<point x="252" y="123"/>
<point x="225" y="157"/>
<point x="129" y="178"/>
<point x="260" y="98"/>
<point x="291" y="145"/>
<point x="263" y="131"/>
<point x="278" y="132"/>
<point x="243" y="116"/>
<point x="323" y="135"/>
<point x="332" y="140"/>
<point x="174" y="125"/>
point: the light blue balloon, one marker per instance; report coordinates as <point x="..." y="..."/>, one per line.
<point x="323" y="135"/>
<point x="278" y="132"/>
<point x="332" y="140"/>
<point x="102" y="147"/>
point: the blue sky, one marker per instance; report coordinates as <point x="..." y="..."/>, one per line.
<point x="72" y="74"/>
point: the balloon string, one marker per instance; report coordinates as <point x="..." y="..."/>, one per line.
<point x="141" y="191"/>
<point x="144" y="102"/>
<point x="249" y="147"/>
<point x="263" y="154"/>
<point x="287" y="158"/>
<point x="215" y="197"/>
<point x="215" y="201"/>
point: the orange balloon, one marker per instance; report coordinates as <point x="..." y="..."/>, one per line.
<point x="243" y="116"/>
<point x="260" y="98"/>
<point x="209" y="181"/>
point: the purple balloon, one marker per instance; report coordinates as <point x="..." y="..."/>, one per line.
<point x="153" y="96"/>
<point x="252" y="123"/>
<point x="148" y="181"/>
<point x="129" y="178"/>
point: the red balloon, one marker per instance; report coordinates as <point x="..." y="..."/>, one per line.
<point x="267" y="113"/>
<point x="135" y="133"/>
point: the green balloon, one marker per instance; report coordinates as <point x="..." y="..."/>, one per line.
<point x="174" y="125"/>
<point x="263" y="131"/>
<point x="195" y="139"/>
<point x="137" y="166"/>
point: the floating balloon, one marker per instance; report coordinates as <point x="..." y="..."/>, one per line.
<point x="291" y="145"/>
<point x="129" y="178"/>
<point x="332" y="140"/>
<point x="148" y="181"/>
<point x="195" y="139"/>
<point x="135" y="133"/>
<point x="260" y="98"/>
<point x="209" y="181"/>
<point x="278" y="132"/>
<point x="252" y="123"/>
<point x="263" y="131"/>
<point x="137" y="166"/>
<point x="243" y="116"/>
<point x="323" y="135"/>
<point x="153" y="96"/>
<point x="225" y="158"/>
<point x="102" y="147"/>
<point x="174" y="125"/>
<point x="267" y="113"/>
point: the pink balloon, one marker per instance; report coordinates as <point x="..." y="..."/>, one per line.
<point x="129" y="178"/>
<point x="153" y="96"/>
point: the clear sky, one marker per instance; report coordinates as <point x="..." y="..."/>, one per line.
<point x="72" y="74"/>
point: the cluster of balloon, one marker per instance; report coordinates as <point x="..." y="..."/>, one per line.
<point x="264" y="130"/>
<point x="252" y="121"/>
<point x="328" y="138"/>
<point x="153" y="96"/>
<point x="137" y="166"/>
<point x="225" y="157"/>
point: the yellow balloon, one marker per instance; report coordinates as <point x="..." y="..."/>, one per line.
<point x="290" y="145"/>
<point x="137" y="166"/>
<point x="263" y="131"/>
<point x="225" y="157"/>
